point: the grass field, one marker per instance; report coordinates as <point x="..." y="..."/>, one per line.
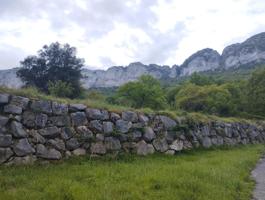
<point x="195" y="175"/>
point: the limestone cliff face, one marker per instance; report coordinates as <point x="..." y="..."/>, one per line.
<point x="9" y="79"/>
<point x="118" y="75"/>
<point x="203" y="60"/>
<point x="249" y="53"/>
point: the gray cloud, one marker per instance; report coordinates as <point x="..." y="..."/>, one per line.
<point x="173" y="38"/>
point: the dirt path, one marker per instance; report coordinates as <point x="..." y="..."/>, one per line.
<point x="259" y="175"/>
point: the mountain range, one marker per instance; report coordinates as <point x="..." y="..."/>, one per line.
<point x="248" y="53"/>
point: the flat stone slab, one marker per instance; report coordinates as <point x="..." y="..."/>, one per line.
<point x="259" y="176"/>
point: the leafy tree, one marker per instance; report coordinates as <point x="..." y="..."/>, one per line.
<point x="60" y="89"/>
<point x="256" y="92"/>
<point x="52" y="63"/>
<point x="201" y="80"/>
<point x="211" y="99"/>
<point x="238" y="99"/>
<point x="146" y="92"/>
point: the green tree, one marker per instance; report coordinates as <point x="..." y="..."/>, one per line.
<point x="53" y="63"/>
<point x="146" y="92"/>
<point x="201" y="80"/>
<point x="256" y="93"/>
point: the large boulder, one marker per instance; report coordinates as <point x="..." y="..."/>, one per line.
<point x="98" y="148"/>
<point x="5" y="140"/>
<point x="206" y="142"/>
<point x="62" y="120"/>
<point x="51" y="154"/>
<point x="85" y="135"/>
<point x="79" y="119"/>
<point x="59" y="108"/>
<point x="20" y="101"/>
<point x="114" y="116"/>
<point x="3" y="120"/>
<point x="29" y="119"/>
<point x="25" y="160"/>
<point x="12" y="109"/>
<point x="135" y="136"/>
<point x="4" y="98"/>
<point x="177" y="145"/>
<point x="143" y="149"/>
<point x="77" y="107"/>
<point x="50" y="132"/>
<point x="41" y="106"/>
<point x="36" y="137"/>
<point x="160" y="144"/>
<point x="41" y="120"/>
<point x="143" y="119"/>
<point x="149" y="134"/>
<point x="129" y="116"/>
<point x="72" y="144"/>
<point x="23" y="148"/>
<point x="17" y="130"/>
<point x="67" y="133"/>
<point x="5" y="154"/>
<point x="167" y="122"/>
<point x="112" y="144"/>
<point x="79" y="152"/>
<point x="96" y="125"/>
<point x="97" y="114"/>
<point x="57" y="143"/>
<point x="107" y="127"/>
<point x="123" y="126"/>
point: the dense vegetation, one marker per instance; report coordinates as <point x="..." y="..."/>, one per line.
<point x="199" y="93"/>
<point x="202" y="175"/>
<point x="147" y="92"/>
<point x="55" y="70"/>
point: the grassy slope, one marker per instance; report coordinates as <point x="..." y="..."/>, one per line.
<point x="201" y="175"/>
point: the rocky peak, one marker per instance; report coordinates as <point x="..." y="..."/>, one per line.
<point x="203" y="60"/>
<point x="249" y="52"/>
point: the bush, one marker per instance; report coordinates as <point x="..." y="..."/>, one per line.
<point x="60" y="89"/>
<point x="146" y="92"/>
<point x="211" y="99"/>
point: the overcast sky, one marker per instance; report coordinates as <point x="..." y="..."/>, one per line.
<point x="117" y="32"/>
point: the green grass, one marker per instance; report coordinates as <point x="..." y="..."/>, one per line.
<point x="195" y="175"/>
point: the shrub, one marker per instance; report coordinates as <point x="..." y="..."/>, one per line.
<point x="211" y="99"/>
<point x="146" y="92"/>
<point x="60" y="89"/>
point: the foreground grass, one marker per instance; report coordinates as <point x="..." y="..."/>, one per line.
<point x="201" y="175"/>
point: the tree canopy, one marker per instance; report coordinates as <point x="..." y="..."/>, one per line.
<point x="53" y="63"/>
<point x="146" y="92"/>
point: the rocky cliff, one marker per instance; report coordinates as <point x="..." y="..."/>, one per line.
<point x="249" y="53"/>
<point x="32" y="130"/>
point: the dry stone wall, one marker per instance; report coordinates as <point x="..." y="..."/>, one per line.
<point x="33" y="130"/>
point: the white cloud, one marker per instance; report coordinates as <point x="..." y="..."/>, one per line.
<point x="209" y="23"/>
<point x="124" y="31"/>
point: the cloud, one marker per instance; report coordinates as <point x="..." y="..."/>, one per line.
<point x="117" y="32"/>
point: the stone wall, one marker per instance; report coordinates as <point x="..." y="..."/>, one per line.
<point x="33" y="130"/>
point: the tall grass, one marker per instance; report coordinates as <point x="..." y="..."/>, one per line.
<point x="220" y="174"/>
